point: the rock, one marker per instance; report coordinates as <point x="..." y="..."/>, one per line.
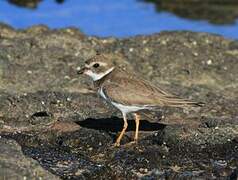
<point x="216" y="12"/>
<point x="58" y="120"/>
<point x="40" y="109"/>
<point x="31" y="4"/>
<point x="15" y="165"/>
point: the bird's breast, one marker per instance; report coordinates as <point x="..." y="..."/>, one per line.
<point x="101" y="93"/>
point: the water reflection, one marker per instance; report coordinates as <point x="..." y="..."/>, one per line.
<point x="126" y="17"/>
<point x="214" y="11"/>
<point x="32" y="4"/>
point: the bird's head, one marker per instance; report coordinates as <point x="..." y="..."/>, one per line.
<point x="97" y="67"/>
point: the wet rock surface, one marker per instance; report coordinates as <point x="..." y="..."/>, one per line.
<point x="31" y="4"/>
<point x="214" y="11"/>
<point x="55" y="120"/>
<point x="15" y="165"/>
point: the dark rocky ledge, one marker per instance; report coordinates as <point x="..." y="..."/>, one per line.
<point x="53" y="125"/>
<point x="31" y="4"/>
<point x="214" y="11"/>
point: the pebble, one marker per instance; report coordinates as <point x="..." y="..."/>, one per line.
<point x="220" y="163"/>
<point x="194" y="43"/>
<point x="77" y="54"/>
<point x="70" y="31"/>
<point x="147" y="49"/>
<point x="29" y="72"/>
<point x="66" y="77"/>
<point x="207" y="41"/>
<point x="144" y="170"/>
<point x="195" y="54"/>
<point x="79" y="172"/>
<point x="163" y="42"/>
<point x="209" y="62"/>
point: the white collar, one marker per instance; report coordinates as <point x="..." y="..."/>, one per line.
<point x="96" y="77"/>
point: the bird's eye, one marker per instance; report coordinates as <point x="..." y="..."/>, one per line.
<point x="96" y="65"/>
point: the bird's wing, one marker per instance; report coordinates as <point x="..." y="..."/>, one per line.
<point x="131" y="91"/>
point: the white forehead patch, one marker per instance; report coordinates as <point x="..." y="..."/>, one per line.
<point x="96" y="76"/>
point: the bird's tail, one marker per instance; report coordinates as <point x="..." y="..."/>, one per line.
<point x="178" y="102"/>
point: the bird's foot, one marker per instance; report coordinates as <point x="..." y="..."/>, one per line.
<point x="130" y="143"/>
<point x="116" y="144"/>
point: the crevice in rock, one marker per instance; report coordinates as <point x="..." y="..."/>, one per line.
<point x="40" y="114"/>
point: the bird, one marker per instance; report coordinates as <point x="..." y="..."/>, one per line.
<point x="128" y="92"/>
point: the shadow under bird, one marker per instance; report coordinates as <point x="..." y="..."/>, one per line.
<point x="128" y="92"/>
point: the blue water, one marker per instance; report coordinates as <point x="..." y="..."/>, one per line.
<point x="107" y="18"/>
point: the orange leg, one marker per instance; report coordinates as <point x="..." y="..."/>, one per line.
<point x="122" y="132"/>
<point x="137" y="120"/>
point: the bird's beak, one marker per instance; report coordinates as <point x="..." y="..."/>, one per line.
<point x="82" y="70"/>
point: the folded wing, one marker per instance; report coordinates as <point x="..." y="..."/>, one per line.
<point x="139" y="92"/>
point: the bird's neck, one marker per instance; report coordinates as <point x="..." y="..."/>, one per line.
<point x="97" y="83"/>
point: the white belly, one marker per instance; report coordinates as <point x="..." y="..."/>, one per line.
<point x="127" y="109"/>
<point x="123" y="108"/>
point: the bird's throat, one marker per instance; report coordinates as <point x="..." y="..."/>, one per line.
<point x="99" y="76"/>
